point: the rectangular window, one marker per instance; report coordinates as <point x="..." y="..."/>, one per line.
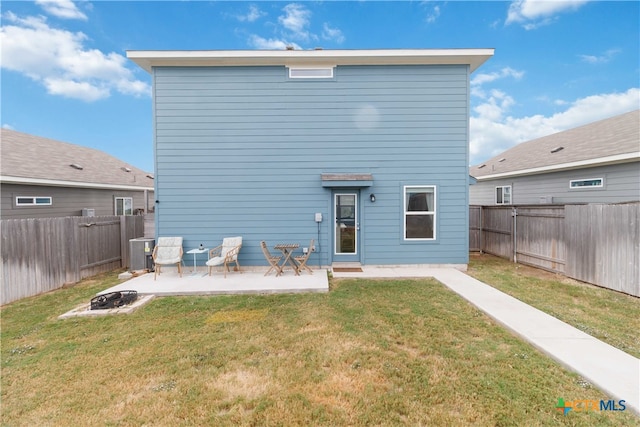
<point x="124" y="206"/>
<point x="311" y="73"/>
<point x="420" y="212"/>
<point x="503" y="195"/>
<point x="34" y="201"/>
<point x="587" y="183"/>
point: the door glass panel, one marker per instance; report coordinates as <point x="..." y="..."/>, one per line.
<point x="346" y="224"/>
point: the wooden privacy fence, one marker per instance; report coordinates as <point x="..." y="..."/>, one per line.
<point x="595" y="243"/>
<point x="40" y="255"/>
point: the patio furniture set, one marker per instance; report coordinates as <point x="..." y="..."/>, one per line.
<point x="168" y="251"/>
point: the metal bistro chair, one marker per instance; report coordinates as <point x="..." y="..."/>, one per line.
<point x="273" y="260"/>
<point x="168" y="251"/>
<point x="302" y="259"/>
<point x="225" y="254"/>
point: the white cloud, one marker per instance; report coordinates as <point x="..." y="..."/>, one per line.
<point x="296" y="20"/>
<point x="329" y="33"/>
<point x="59" y="60"/>
<point x="434" y="15"/>
<point x="294" y="24"/>
<point x="493" y="131"/>
<point x="535" y="13"/>
<point x="252" y="15"/>
<point x="7" y="126"/>
<point x="482" y="78"/>
<point x="62" y="9"/>
<point x="273" y="44"/>
<point x="604" y="58"/>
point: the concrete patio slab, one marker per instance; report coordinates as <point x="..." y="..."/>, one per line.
<point x="245" y="282"/>
<point x="84" y="310"/>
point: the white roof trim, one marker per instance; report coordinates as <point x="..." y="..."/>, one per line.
<point x="601" y="161"/>
<point x="59" y="183"/>
<point x="148" y="59"/>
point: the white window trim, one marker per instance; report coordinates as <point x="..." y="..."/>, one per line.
<point x="405" y="213"/>
<point x="115" y="205"/>
<point x="571" y="187"/>
<point x="495" y="193"/>
<point x="33" y="201"/>
<point x="308" y="68"/>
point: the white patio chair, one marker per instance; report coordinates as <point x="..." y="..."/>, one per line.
<point x="168" y="251"/>
<point x="225" y="254"/>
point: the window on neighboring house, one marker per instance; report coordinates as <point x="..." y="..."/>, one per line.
<point x="420" y="212"/>
<point x="503" y="195"/>
<point x="34" y="201"/>
<point x="587" y="183"/>
<point x="310" y="72"/>
<point x="124" y="206"/>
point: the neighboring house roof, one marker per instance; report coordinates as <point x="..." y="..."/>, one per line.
<point x="28" y="159"/>
<point x="204" y="58"/>
<point x="608" y="141"/>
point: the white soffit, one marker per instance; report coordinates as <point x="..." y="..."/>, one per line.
<point x="601" y="161"/>
<point x="61" y="183"/>
<point x="148" y="59"/>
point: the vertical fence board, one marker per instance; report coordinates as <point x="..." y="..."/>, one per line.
<point x="475" y="228"/>
<point x="40" y="255"/>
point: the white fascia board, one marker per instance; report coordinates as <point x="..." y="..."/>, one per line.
<point x="58" y="183"/>
<point x="147" y="59"/>
<point x="601" y="161"/>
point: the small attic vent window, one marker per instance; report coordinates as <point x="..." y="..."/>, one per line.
<point x="76" y="166"/>
<point x="310" y="72"/>
<point x="502" y="160"/>
<point x="555" y="150"/>
<point x="126" y="169"/>
<point x="482" y="166"/>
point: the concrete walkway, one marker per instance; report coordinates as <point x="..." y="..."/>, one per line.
<point x="613" y="371"/>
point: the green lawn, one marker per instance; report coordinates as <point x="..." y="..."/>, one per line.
<point x="610" y="316"/>
<point x="387" y="352"/>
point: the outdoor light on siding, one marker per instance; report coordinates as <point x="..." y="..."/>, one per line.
<point x="372" y="197"/>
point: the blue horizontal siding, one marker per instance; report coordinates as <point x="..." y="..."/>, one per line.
<point x="240" y="150"/>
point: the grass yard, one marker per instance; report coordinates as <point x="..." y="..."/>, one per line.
<point x="388" y="352"/>
<point x="610" y="316"/>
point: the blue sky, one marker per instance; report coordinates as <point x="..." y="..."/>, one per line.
<point x="557" y="64"/>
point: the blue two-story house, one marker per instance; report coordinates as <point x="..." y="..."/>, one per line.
<point x="364" y="151"/>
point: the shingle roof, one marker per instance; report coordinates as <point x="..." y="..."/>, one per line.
<point x="617" y="136"/>
<point x="29" y="158"/>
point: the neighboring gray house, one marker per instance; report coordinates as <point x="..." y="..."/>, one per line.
<point x="595" y="163"/>
<point x="365" y="151"/>
<point x="41" y="178"/>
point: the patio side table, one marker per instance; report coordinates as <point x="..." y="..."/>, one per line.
<point x="195" y="252"/>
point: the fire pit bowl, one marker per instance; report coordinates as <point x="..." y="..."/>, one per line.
<point x="113" y="300"/>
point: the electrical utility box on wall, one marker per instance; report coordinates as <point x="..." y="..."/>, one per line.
<point x="140" y="251"/>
